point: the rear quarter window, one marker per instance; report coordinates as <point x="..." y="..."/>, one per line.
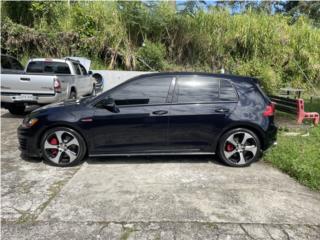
<point x="227" y="91"/>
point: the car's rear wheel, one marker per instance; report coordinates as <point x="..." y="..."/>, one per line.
<point x="63" y="147"/>
<point x="239" y="147"/>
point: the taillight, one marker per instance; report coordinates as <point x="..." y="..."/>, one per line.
<point x="269" y="111"/>
<point x="57" y="86"/>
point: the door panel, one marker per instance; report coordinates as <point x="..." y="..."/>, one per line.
<point x="141" y="125"/>
<point x="134" y="129"/>
<point x="195" y="127"/>
<point x="198" y="114"/>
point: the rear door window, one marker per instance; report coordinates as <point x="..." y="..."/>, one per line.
<point x="197" y="89"/>
<point x="148" y="90"/>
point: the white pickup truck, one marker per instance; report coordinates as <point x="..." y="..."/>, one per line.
<point x="42" y="82"/>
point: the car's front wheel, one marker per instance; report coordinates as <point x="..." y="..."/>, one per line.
<point x="239" y="147"/>
<point x="63" y="147"/>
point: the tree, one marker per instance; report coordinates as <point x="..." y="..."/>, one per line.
<point x="298" y="8"/>
<point x="19" y="12"/>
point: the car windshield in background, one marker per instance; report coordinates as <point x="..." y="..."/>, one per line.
<point x="48" y="67"/>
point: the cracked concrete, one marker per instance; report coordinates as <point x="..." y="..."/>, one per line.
<point x="150" y="198"/>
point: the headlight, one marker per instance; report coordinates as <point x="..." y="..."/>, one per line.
<point x="29" y="122"/>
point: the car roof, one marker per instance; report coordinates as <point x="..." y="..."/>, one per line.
<point x="51" y="60"/>
<point x="235" y="78"/>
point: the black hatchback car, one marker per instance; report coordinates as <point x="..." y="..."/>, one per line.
<point x="156" y="114"/>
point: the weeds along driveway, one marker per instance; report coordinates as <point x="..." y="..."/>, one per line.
<point x="154" y="198"/>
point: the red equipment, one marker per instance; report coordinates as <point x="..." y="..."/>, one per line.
<point x="301" y="114"/>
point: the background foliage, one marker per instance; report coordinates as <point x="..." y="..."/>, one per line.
<point x="277" y="42"/>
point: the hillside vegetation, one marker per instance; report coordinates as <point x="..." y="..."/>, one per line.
<point x="138" y="36"/>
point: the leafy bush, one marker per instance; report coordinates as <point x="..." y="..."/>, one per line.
<point x="152" y="56"/>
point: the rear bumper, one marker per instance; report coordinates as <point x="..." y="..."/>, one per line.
<point x="10" y="98"/>
<point x="271" y="137"/>
<point x="28" y="144"/>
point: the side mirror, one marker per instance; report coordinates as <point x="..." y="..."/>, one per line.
<point x="90" y="72"/>
<point x="109" y="104"/>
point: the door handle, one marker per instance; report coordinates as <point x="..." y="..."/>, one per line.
<point x="160" y="112"/>
<point x="25" y="79"/>
<point x="222" y="110"/>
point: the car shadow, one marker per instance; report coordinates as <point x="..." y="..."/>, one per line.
<point x="30" y="159"/>
<point x="155" y="159"/>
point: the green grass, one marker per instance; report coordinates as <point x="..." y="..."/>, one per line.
<point x="299" y="157"/>
<point x="312" y="107"/>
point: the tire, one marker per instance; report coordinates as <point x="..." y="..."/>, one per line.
<point x="239" y="147"/>
<point x="63" y="147"/>
<point x="73" y="95"/>
<point x="17" y="110"/>
<point x="98" y="78"/>
<point x="93" y="93"/>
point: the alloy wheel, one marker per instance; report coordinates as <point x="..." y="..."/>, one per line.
<point x="240" y="148"/>
<point x="61" y="147"/>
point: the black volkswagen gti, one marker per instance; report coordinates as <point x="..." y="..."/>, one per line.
<point x="156" y="114"/>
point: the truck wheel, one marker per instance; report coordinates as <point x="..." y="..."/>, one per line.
<point x="17" y="110"/>
<point x="93" y="93"/>
<point x="73" y="95"/>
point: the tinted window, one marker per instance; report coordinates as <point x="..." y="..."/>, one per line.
<point x="227" y="91"/>
<point x="193" y="89"/>
<point x="62" y="68"/>
<point x="16" y="65"/>
<point x="35" y="67"/>
<point x="48" y="67"/>
<point x="76" y="68"/>
<point x="5" y="62"/>
<point x="83" y="70"/>
<point x="153" y="90"/>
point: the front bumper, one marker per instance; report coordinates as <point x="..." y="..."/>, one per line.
<point x="28" y="142"/>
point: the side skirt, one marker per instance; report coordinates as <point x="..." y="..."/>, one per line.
<point x="150" y="154"/>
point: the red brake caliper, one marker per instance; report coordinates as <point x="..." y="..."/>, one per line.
<point x="229" y="147"/>
<point x="54" y="141"/>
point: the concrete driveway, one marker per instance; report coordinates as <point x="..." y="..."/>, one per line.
<point x="150" y="198"/>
